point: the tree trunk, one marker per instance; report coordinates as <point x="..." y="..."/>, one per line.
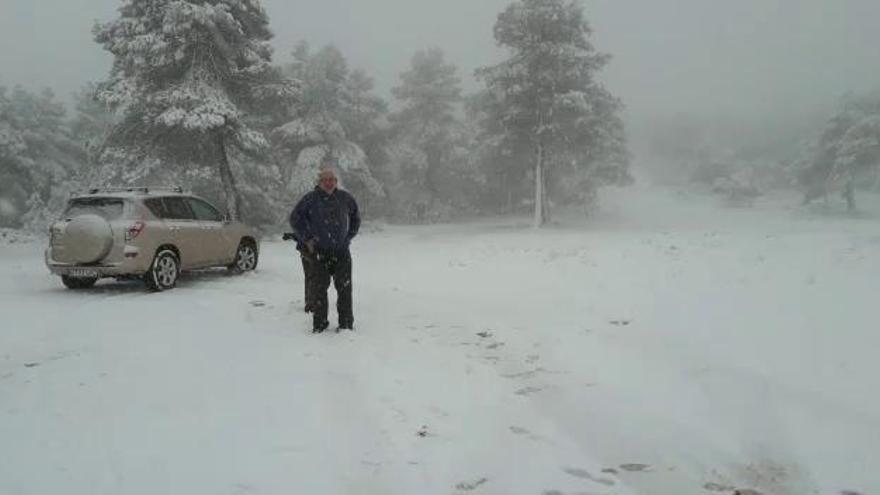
<point x="849" y="192"/>
<point x="540" y="193"/>
<point x="230" y="190"/>
<point x="545" y="170"/>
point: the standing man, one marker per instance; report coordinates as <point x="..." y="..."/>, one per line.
<point x="325" y="221"/>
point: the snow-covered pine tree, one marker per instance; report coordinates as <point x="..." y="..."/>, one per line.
<point x="92" y="122"/>
<point x="316" y="133"/>
<point x="426" y="135"/>
<point x="364" y="120"/>
<point x="499" y="155"/>
<point x="849" y="147"/>
<point x="185" y="75"/>
<point x="546" y="94"/>
<point x="364" y="110"/>
<point x="13" y="165"/>
<point x="38" y="158"/>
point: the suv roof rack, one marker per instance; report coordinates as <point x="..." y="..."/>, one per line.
<point x="140" y="189"/>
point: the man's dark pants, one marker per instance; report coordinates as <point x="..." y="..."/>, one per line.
<point x="308" y="261"/>
<point x="335" y="265"/>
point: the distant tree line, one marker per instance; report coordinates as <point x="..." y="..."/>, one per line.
<point x="195" y="98"/>
<point x="829" y="158"/>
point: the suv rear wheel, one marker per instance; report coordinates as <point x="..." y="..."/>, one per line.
<point x="78" y="282"/>
<point x="246" y="257"/>
<point x="164" y="271"/>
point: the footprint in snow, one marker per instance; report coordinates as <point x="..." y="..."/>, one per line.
<point x="55" y="357"/>
<point x="468" y="486"/>
<point x="585" y="475"/>
<point x="528" y="391"/>
<point x="635" y="468"/>
<point x="719" y="488"/>
<point x="523" y="374"/>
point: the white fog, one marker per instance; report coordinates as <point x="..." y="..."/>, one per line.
<point x="550" y="247"/>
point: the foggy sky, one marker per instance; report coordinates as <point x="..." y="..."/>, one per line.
<point x="747" y="59"/>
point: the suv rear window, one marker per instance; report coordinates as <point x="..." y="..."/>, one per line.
<point x="204" y="211"/>
<point x="156" y="207"/>
<point x="170" y="208"/>
<point x="107" y="208"/>
<point x="176" y="208"/>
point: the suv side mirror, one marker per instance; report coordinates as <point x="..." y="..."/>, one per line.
<point x="225" y="218"/>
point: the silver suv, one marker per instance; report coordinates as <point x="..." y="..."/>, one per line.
<point x="144" y="232"/>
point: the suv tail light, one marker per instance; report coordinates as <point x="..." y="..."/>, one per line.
<point x="135" y="230"/>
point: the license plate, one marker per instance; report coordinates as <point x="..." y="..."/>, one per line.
<point x="81" y="272"/>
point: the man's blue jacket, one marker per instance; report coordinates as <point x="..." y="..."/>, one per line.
<point x="331" y="220"/>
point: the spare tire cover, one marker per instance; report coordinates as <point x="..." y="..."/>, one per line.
<point x="88" y="239"/>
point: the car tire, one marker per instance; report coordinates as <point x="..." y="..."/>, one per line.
<point x="246" y="257"/>
<point x="163" y="272"/>
<point x="77" y="283"/>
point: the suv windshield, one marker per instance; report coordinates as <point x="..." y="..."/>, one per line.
<point x="107" y="208"/>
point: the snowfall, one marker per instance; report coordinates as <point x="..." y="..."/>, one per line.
<point x="670" y="344"/>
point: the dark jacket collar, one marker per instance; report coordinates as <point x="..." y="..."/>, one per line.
<point x="323" y="193"/>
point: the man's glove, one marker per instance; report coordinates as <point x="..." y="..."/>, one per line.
<point x="288" y="236"/>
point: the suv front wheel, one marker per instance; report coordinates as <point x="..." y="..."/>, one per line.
<point x="163" y="272"/>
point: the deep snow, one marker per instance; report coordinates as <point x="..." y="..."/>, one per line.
<point x="669" y="346"/>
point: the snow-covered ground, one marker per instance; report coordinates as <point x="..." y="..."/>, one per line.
<point x="669" y="346"/>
